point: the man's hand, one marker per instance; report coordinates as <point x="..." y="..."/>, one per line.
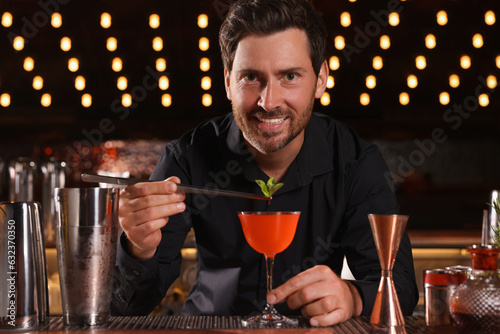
<point x="323" y="296"/>
<point x="144" y="209"/>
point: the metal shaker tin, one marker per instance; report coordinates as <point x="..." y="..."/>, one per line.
<point x="24" y="303"/>
<point x="438" y="286"/>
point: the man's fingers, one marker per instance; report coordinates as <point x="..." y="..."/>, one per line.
<point x="144" y="210"/>
<point x="306" y="295"/>
<point x="291" y="286"/>
<point x="143" y="230"/>
<point x="305" y="287"/>
<point x="147" y="246"/>
<point x="158" y="212"/>
<point x="327" y="319"/>
<point x="142" y="189"/>
<point x="140" y="203"/>
<point x="320" y="306"/>
<point x="321" y="295"/>
<point x="148" y="188"/>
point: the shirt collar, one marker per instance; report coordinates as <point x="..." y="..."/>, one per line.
<point x="314" y="158"/>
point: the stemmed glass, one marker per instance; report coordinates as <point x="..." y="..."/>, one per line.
<point x="269" y="233"/>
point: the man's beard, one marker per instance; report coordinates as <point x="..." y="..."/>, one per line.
<point x="254" y="136"/>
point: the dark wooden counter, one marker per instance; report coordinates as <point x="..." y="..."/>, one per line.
<point x="215" y="325"/>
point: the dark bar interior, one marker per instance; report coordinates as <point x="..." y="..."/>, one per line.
<point x="444" y="157"/>
<point x="107" y="86"/>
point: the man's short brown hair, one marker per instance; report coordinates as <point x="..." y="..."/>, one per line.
<point x="266" y="17"/>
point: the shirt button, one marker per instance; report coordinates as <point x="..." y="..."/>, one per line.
<point x="135" y="272"/>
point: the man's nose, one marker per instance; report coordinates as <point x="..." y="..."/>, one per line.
<point x="271" y="96"/>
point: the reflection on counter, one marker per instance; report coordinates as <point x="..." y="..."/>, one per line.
<point x="55" y="305"/>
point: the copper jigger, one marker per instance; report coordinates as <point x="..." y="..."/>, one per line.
<point x="387" y="231"/>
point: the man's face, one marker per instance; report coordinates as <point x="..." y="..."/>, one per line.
<point x="272" y="88"/>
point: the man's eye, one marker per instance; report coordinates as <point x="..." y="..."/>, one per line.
<point x="251" y="77"/>
<point x="290" y="76"/>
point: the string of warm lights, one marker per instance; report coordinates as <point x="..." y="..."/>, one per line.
<point x="204" y="45"/>
<point x="116" y="63"/>
<point x="18" y="44"/>
<point x="6" y="21"/>
<point x="372" y="81"/>
<point x="393" y="19"/>
<point x="161" y="63"/>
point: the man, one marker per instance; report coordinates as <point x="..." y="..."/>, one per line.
<point x="274" y="58"/>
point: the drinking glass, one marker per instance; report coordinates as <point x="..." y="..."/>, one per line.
<point x="269" y="233"/>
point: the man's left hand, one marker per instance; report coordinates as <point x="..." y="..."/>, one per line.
<point x="322" y="295"/>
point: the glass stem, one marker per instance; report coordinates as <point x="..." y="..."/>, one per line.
<point x="269" y="311"/>
<point x="269" y="271"/>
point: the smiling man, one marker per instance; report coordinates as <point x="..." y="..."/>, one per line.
<point x="272" y="87"/>
<point x="274" y="58"/>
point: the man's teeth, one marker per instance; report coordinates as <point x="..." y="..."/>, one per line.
<point x="271" y="121"/>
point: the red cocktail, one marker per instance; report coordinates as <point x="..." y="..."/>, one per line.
<point x="269" y="233"/>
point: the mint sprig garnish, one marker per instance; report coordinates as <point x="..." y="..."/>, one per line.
<point x="269" y="188"/>
<point x="496" y="229"/>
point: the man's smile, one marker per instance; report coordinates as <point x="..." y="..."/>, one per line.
<point x="271" y="124"/>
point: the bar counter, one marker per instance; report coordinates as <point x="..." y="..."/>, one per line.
<point x="215" y="325"/>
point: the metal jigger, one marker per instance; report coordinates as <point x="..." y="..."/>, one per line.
<point x="387" y="231"/>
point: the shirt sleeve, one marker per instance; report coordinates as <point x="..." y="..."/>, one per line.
<point x="369" y="189"/>
<point x="139" y="286"/>
<point x="130" y="294"/>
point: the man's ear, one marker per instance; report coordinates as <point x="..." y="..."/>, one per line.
<point x="322" y="80"/>
<point x="227" y="76"/>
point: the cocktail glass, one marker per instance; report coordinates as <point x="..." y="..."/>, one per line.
<point x="269" y="233"/>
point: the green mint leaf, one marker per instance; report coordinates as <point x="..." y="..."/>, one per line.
<point x="263" y="187"/>
<point x="496" y="206"/>
<point x="270" y="183"/>
<point x="496" y="229"/>
<point x="269" y="188"/>
<point x="275" y="188"/>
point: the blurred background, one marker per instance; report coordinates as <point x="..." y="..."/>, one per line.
<point x="103" y="85"/>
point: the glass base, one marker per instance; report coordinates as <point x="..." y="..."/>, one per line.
<point x="269" y="318"/>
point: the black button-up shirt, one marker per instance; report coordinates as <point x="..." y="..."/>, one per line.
<point x="336" y="180"/>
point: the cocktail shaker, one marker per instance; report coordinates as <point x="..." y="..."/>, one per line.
<point x="86" y="237"/>
<point x="22" y="173"/>
<point x="3" y="180"/>
<point x="53" y="176"/>
<point x="24" y="302"/>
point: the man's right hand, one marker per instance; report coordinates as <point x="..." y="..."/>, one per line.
<point x="144" y="209"/>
